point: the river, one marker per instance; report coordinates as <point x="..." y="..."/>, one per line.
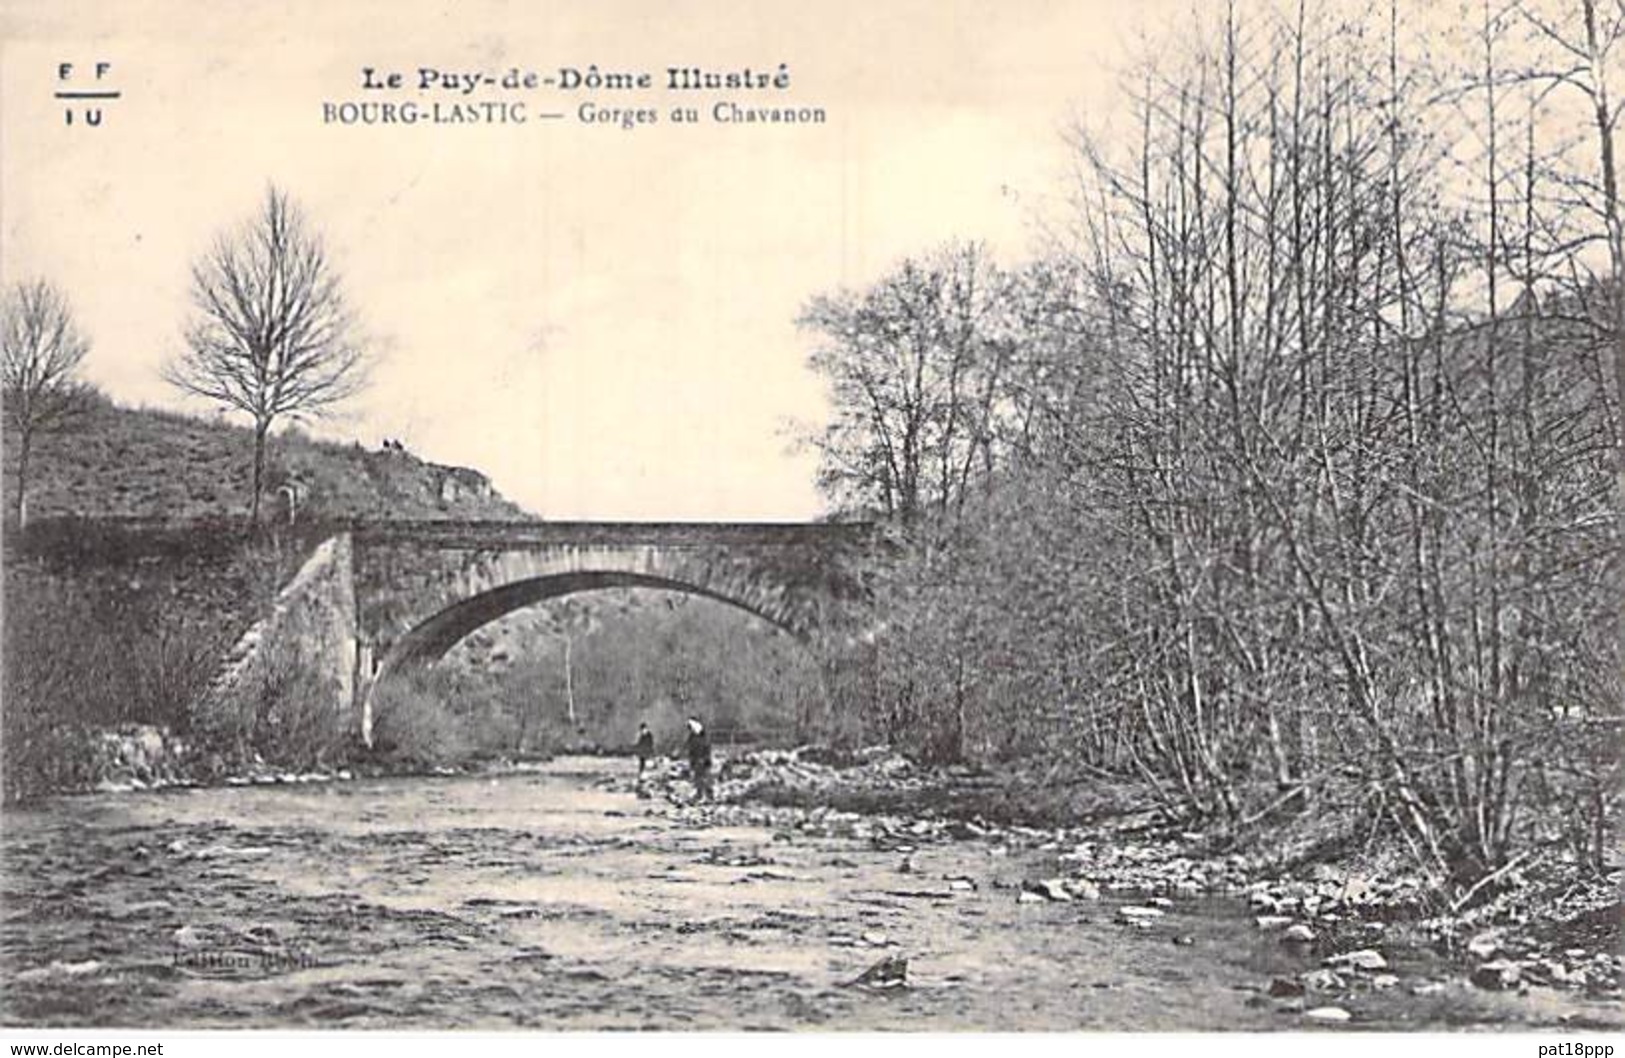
<point x="543" y="900"/>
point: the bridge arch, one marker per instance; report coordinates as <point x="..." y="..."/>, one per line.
<point x="435" y="635"/>
<point x="429" y="641"/>
<point x="377" y="597"/>
<point x="434" y="609"/>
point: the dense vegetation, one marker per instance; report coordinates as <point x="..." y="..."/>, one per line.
<point x="107" y="631"/>
<point x="1285" y="482"/>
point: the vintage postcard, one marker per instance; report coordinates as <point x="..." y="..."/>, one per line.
<point x="929" y="515"/>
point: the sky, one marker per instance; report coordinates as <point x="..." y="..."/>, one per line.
<point x="601" y="319"/>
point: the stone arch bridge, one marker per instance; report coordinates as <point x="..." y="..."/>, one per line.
<point x="376" y="599"/>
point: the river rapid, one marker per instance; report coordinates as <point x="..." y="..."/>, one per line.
<point x="544" y="900"/>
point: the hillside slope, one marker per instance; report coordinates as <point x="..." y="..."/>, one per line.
<point x="123" y="462"/>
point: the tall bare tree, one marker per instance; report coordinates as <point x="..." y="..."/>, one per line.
<point x="271" y="334"/>
<point x="913" y="366"/>
<point x="43" y="350"/>
<point x="1575" y="48"/>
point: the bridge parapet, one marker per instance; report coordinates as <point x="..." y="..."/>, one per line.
<point x="511" y="535"/>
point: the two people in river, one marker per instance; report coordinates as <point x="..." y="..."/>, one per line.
<point x="697" y="749"/>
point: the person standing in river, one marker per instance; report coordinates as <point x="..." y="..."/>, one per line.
<point x="699" y="759"/>
<point x="645" y="750"/>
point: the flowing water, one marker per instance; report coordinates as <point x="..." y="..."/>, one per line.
<point x="542" y="900"/>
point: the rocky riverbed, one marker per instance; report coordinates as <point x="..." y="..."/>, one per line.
<point x="1553" y="931"/>
<point x="558" y="897"/>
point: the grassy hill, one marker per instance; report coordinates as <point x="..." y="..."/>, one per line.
<point x="119" y="461"/>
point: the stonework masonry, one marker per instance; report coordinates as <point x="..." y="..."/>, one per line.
<point x="376" y="599"/>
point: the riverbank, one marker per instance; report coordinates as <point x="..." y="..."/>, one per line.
<point x="1360" y="912"/>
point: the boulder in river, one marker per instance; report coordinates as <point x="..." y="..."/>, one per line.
<point x="1356" y="890"/>
<point x="1083" y="889"/>
<point x="1133" y="913"/>
<point x="1336" y="1014"/>
<point x="1498" y="975"/>
<point x="1050" y="889"/>
<point x="1368" y="959"/>
<point x="1554" y="971"/>
<point x="1298" y="933"/>
<point x="1487" y="943"/>
<point x="1269" y="922"/>
<point x="1322" y="980"/>
<point x="1286" y="988"/>
<point x="890" y="972"/>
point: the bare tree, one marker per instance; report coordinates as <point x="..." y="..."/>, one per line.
<point x="271" y="335"/>
<point x="1576" y="47"/>
<point x="913" y="366"/>
<point x="43" y="350"/>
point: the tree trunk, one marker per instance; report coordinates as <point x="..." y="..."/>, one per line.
<point x="1605" y="119"/>
<point x="569" y="684"/>
<point x="23" y="446"/>
<point x="525" y="709"/>
<point x="260" y="430"/>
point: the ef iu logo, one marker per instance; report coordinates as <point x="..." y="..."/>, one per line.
<point x="82" y="88"/>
